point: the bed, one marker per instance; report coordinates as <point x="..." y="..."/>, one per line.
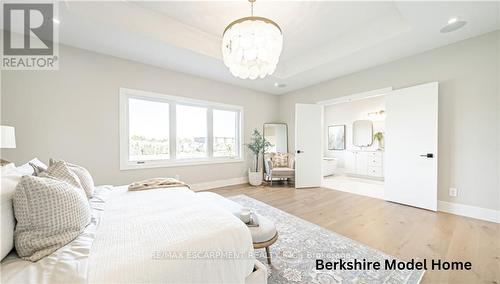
<point x="169" y="235"/>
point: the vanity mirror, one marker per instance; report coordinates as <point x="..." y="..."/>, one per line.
<point x="277" y="135"/>
<point x="362" y="133"/>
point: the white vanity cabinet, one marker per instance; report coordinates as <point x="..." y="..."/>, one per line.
<point x="365" y="163"/>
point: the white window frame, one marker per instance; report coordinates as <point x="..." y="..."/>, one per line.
<point x="125" y="164"/>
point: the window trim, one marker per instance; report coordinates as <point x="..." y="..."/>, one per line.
<point x="125" y="164"/>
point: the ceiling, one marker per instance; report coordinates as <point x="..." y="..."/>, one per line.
<point x="322" y="40"/>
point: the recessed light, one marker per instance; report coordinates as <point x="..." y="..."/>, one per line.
<point x="56" y="21"/>
<point x="279" y="85"/>
<point x="453" y="24"/>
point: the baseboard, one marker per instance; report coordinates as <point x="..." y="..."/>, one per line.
<point x="469" y="211"/>
<point x="218" y="183"/>
<point x="443" y="206"/>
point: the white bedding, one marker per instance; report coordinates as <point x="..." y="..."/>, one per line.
<point x="134" y="240"/>
<point x="68" y="264"/>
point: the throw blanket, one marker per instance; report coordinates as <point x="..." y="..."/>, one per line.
<point x="156" y="183"/>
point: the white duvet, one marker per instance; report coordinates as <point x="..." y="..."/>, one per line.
<point x="157" y="236"/>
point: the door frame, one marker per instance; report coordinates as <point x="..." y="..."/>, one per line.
<point x="347" y="99"/>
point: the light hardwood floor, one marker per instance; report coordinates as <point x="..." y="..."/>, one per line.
<point x="401" y="231"/>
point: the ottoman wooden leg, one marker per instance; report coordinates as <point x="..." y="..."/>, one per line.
<point x="268" y="255"/>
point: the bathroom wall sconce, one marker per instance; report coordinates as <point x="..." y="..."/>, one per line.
<point x="377" y="115"/>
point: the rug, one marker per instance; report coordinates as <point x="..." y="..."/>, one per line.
<point x="300" y="243"/>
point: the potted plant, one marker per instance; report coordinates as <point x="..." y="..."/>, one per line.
<point x="257" y="145"/>
<point x="379" y="136"/>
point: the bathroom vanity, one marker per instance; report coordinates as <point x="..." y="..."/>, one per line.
<point x="365" y="163"/>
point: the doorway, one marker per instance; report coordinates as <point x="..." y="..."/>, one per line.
<point x="353" y="148"/>
<point x="381" y="144"/>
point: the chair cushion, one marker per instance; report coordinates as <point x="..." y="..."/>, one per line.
<point x="277" y="172"/>
<point x="264" y="232"/>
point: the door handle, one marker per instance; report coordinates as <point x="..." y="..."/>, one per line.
<point x="428" y="155"/>
<point x="299" y="151"/>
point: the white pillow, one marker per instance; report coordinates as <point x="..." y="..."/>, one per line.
<point x="28" y="170"/>
<point x="10" y="177"/>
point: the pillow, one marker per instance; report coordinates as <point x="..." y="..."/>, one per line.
<point x="28" y="168"/>
<point x="59" y="170"/>
<point x="83" y="174"/>
<point x="50" y="213"/>
<point x="37" y="169"/>
<point x="280" y="160"/>
<point x="10" y="177"/>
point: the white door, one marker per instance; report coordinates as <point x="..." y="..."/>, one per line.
<point x="308" y="151"/>
<point x="411" y="146"/>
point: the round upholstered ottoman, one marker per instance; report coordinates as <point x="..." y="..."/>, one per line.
<point x="264" y="235"/>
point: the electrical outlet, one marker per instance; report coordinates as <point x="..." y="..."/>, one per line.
<point x="453" y="192"/>
<point x="177" y="177"/>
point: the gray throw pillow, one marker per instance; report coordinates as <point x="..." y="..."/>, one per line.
<point x="61" y="171"/>
<point x="50" y="213"/>
<point x="37" y="169"/>
<point x="83" y="174"/>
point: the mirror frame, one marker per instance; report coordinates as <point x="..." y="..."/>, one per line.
<point x="328" y="138"/>
<point x="279" y="123"/>
<point x="353" y="133"/>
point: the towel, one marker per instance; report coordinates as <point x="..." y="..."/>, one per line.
<point x="156" y="183"/>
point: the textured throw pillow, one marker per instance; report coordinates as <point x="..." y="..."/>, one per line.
<point x="83" y="174"/>
<point x="59" y="170"/>
<point x="280" y="160"/>
<point x="50" y="213"/>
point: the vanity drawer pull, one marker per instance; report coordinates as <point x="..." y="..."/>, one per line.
<point x="375" y="171"/>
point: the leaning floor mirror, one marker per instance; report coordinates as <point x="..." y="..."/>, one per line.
<point x="277" y="135"/>
<point x="277" y="167"/>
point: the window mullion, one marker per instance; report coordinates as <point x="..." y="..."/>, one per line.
<point x="238" y="134"/>
<point x="210" y="134"/>
<point x="173" y="131"/>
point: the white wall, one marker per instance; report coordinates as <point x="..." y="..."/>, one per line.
<point x="346" y="114"/>
<point x="469" y="118"/>
<point x="72" y="113"/>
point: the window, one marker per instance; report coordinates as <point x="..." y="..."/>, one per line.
<point x="225" y="135"/>
<point x="159" y="131"/>
<point x="148" y="130"/>
<point x="191" y="132"/>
